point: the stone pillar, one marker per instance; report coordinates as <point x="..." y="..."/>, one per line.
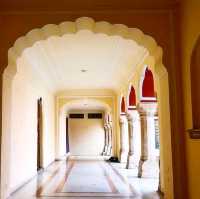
<point x="148" y="152"/>
<point x="123" y="139"/>
<point x="6" y="146"/>
<point x="159" y="183"/>
<point x="109" y="149"/>
<point x="106" y="140"/>
<point x="130" y="118"/>
<point x="134" y="140"/>
<point x="144" y="148"/>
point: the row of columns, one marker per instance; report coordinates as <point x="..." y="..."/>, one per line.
<point x="107" y="151"/>
<point x="141" y="137"/>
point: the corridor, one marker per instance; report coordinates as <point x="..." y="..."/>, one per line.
<point x="55" y="105"/>
<point x="79" y="178"/>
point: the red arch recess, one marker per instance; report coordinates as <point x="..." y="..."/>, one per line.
<point x="148" y="84"/>
<point x="123" y="106"/>
<point x="132" y="97"/>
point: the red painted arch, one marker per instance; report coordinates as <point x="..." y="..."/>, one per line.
<point x="132" y="97"/>
<point x="148" y="84"/>
<point x="123" y="106"/>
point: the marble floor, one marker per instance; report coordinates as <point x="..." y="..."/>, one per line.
<point x="78" y="178"/>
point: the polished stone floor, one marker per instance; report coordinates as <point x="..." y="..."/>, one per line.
<point x="78" y="178"/>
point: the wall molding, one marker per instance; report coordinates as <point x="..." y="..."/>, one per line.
<point x="194" y="133"/>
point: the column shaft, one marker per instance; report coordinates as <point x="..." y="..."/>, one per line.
<point x="109" y="150"/>
<point x="106" y="140"/>
<point x="123" y="140"/>
<point x="132" y="160"/>
<point x="131" y="144"/>
<point x="144" y="142"/>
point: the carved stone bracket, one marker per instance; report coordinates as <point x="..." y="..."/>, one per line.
<point x="194" y="133"/>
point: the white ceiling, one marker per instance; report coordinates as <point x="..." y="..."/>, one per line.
<point x="86" y="105"/>
<point x="109" y="60"/>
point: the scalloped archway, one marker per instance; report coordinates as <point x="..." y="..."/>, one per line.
<point x="69" y="27"/>
<point x="83" y="23"/>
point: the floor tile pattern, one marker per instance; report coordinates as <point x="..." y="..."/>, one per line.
<point x="87" y="179"/>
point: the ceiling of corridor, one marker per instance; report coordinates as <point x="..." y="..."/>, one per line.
<point x="84" y="60"/>
<point x="85" y="104"/>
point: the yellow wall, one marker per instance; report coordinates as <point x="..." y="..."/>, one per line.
<point x="86" y="136"/>
<point x="23" y="127"/>
<point x="190" y="30"/>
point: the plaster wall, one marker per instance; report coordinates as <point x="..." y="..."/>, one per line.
<point x="190" y="30"/>
<point x="26" y="90"/>
<point x="86" y="136"/>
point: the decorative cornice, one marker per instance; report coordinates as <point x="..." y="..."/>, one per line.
<point x="149" y="101"/>
<point x="83" y="11"/>
<point x="132" y="108"/>
<point x="123" y="114"/>
<point x="194" y="133"/>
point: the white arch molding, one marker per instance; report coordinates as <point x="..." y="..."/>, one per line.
<point x="68" y="27"/>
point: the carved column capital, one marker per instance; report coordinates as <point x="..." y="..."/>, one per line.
<point x="147" y="108"/>
<point x="106" y="126"/>
<point x="132" y="116"/>
<point x="110" y="125"/>
<point x="122" y="119"/>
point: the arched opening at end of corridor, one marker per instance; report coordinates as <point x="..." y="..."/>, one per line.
<point x="89" y="129"/>
<point x="18" y="97"/>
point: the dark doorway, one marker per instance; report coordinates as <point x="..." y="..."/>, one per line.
<point x="67" y="136"/>
<point x="39" y="134"/>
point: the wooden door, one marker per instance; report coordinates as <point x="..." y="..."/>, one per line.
<point x="39" y="134"/>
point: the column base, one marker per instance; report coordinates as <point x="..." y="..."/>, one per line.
<point x="109" y="150"/>
<point x="140" y="168"/>
<point x="105" y="150"/>
<point x="123" y="157"/>
<point x="131" y="162"/>
<point x="148" y="168"/>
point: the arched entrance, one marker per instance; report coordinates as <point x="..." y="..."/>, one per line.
<point x="83" y="106"/>
<point x="153" y="51"/>
<point x="148" y="110"/>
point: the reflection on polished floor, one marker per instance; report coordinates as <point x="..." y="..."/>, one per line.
<point x="87" y="179"/>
